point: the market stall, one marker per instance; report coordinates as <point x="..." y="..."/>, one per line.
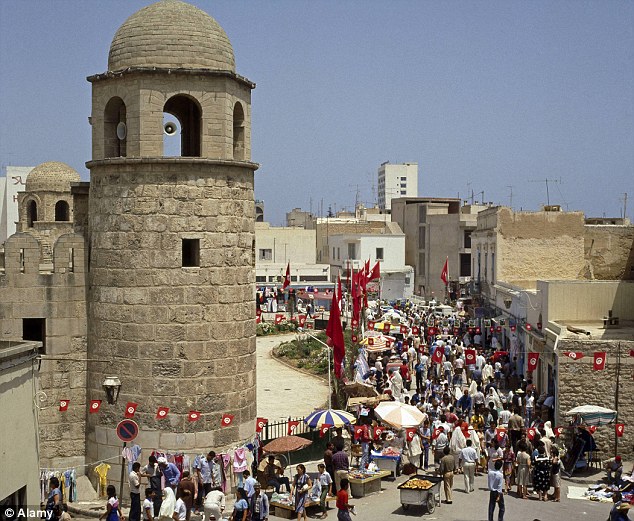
<point x="421" y="490"/>
<point x="364" y="483"/>
<point x="388" y="460"/>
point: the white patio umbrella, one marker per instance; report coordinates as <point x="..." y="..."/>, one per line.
<point x="593" y="414"/>
<point x="399" y="415"/>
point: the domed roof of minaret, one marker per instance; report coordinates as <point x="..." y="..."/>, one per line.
<point x="171" y="34"/>
<point x="52" y="176"/>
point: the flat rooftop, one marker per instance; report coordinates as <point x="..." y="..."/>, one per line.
<point x="623" y="331"/>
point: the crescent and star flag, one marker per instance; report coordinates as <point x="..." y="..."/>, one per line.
<point x="386" y="327"/>
<point x="302" y="320"/>
<point x="376" y="272"/>
<point x="279" y="318"/>
<point x="292" y="427"/>
<point x="438" y="354"/>
<point x="410" y="432"/>
<point x="599" y="360"/>
<point x="500" y="432"/>
<point x="592" y="429"/>
<point x="355" y="323"/>
<point x="323" y="430"/>
<point x="162" y="412"/>
<point x="370" y="341"/>
<point x="226" y="420"/>
<point x="558" y="431"/>
<point x="287" y="277"/>
<point x="435" y="434"/>
<point x="620" y="428"/>
<point x="370" y="325"/>
<point x="354" y="338"/>
<point x="575" y="355"/>
<point x="530" y="433"/>
<point x="444" y="274"/>
<point x="358" y="431"/>
<point x="403" y="330"/>
<point x="470" y="356"/>
<point x="532" y="361"/>
<point x="334" y="332"/>
<point x="193" y="416"/>
<point x="376" y="433"/>
<point x="415" y="330"/>
<point x="94" y="405"/>
<point x="130" y="409"/>
<point x="63" y="405"/>
<point x="260" y="423"/>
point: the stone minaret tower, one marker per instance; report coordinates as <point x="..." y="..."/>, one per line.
<point x="171" y="272"/>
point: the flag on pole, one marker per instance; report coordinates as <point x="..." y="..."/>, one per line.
<point x="376" y="272"/>
<point x="334" y="332"/>
<point x="340" y="292"/>
<point x="444" y="274"/>
<point x="287" y="277"/>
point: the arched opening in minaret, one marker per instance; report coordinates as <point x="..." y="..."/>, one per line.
<point x="115" y="131"/>
<point x="238" y="132"/>
<point x="181" y="118"/>
<point x="31" y="213"/>
<point x="62" y="211"/>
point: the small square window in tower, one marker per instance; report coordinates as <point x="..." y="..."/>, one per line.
<point x="34" y="329"/>
<point x="191" y="253"/>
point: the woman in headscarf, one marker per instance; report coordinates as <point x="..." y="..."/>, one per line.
<point x="168" y="506"/>
<point x="456" y="444"/>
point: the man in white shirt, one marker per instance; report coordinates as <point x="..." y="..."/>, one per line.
<point x="214" y="504"/>
<point x="530" y="407"/>
<point x="496" y="491"/>
<point x="469" y="457"/>
<point x="249" y="484"/>
<point x="480" y="361"/>
<point x="135" y="492"/>
<point x="148" y="505"/>
<point x="180" y="510"/>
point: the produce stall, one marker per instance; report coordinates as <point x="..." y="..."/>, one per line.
<point x="364" y="483"/>
<point x="387" y="461"/>
<point x="422" y="490"/>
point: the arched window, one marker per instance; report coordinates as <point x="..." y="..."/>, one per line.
<point x="114" y="128"/>
<point x="31" y="213"/>
<point x="238" y="132"/>
<point x="189" y="117"/>
<point x="62" y="212"/>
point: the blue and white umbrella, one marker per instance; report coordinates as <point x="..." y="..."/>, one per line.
<point x="333" y="417"/>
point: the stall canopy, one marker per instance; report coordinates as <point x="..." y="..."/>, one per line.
<point x="593" y="414"/>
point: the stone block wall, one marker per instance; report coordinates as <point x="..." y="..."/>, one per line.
<point x="609" y="252"/>
<point x="580" y="384"/>
<point x="179" y="337"/>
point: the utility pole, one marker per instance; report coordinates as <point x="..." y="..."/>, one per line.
<point x="624" y="199"/>
<point x="510" y="187"/>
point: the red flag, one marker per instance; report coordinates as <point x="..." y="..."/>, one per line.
<point x="63" y="405"/>
<point x="435" y="434"/>
<point x="358" y="431"/>
<point x="287" y="277"/>
<point x="530" y="433"/>
<point x="532" y="361"/>
<point x="366" y="268"/>
<point x="292" y="427"/>
<point x="592" y="429"/>
<point x="386" y="327"/>
<point x="599" y="361"/>
<point x="130" y="409"/>
<point x="193" y="416"/>
<point x="323" y="430"/>
<point x="438" y="354"/>
<point x="388" y="342"/>
<point x="354" y="338"/>
<point x="94" y="405"/>
<point x="340" y="295"/>
<point x="334" y="332"/>
<point x="444" y="274"/>
<point x="260" y="423"/>
<point x="415" y="330"/>
<point x="370" y="341"/>
<point x="456" y="330"/>
<point x="226" y="420"/>
<point x="376" y="272"/>
<point x="258" y="319"/>
<point x="409" y="433"/>
<point x="631" y="352"/>
<point x="258" y="312"/>
<point x="162" y="412"/>
<point x="302" y="320"/>
<point x="355" y="323"/>
<point x="403" y="329"/>
<point x="377" y="431"/>
<point x="558" y="431"/>
<point x="370" y="325"/>
<point x="470" y="356"/>
<point x="575" y="355"/>
<point x="278" y="318"/>
<point x="620" y="428"/>
<point x="500" y="432"/>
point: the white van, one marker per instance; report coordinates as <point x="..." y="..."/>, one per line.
<point x="445" y="311"/>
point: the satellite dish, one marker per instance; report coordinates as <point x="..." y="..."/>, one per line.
<point x="122" y="130"/>
<point x="170" y="128"/>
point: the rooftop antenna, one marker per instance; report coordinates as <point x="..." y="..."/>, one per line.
<point x="624" y="200"/>
<point x="553" y="181"/>
<point x="510" y="187"/>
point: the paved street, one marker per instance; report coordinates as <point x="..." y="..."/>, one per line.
<point x="283" y="391"/>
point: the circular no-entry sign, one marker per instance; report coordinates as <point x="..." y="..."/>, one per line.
<point x="127" y="430"/>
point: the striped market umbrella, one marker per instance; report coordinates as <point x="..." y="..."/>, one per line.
<point x="593" y="415"/>
<point x="333" y="417"/>
<point x="399" y="415"/>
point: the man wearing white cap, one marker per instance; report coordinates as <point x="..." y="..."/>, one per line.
<point x="170" y="471"/>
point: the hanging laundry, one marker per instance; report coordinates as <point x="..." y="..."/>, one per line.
<point x="102" y="471"/>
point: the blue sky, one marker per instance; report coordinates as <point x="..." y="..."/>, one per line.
<point x="483" y="95"/>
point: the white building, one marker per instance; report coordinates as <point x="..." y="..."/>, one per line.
<point x="277" y="246"/>
<point x="12" y="183"/>
<point x="396" y="180"/>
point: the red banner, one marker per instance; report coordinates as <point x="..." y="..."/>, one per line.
<point x="532" y="361"/>
<point x="415" y="330"/>
<point x="599" y="361"/>
<point x="226" y="420"/>
<point x="63" y="405"/>
<point x="370" y="325"/>
<point x="410" y="432"/>
<point x="370" y="341"/>
<point x="193" y="416"/>
<point x="94" y="406"/>
<point x="260" y="423"/>
<point x="438" y="354"/>
<point x="620" y="428"/>
<point x="575" y="355"/>
<point x="301" y="319"/>
<point x="358" y="431"/>
<point x="130" y="409"/>
<point x="456" y="330"/>
<point x="387" y="327"/>
<point x="592" y="429"/>
<point x="377" y="431"/>
<point x="435" y="434"/>
<point x="278" y="318"/>
<point x="558" y="431"/>
<point x="404" y="330"/>
<point x="530" y="433"/>
<point x="162" y="412"/>
<point x="354" y="338"/>
<point x="323" y="430"/>
<point x="500" y="433"/>
<point x="292" y="427"/>
<point x="470" y="356"/>
<point x="355" y="323"/>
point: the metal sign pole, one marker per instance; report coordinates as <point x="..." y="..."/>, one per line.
<point x="122" y="474"/>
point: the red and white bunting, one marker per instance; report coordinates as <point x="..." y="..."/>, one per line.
<point x="370" y="341"/>
<point x="558" y="431"/>
<point x="193" y="416"/>
<point x="63" y="405"/>
<point x="599" y="361"/>
<point x="302" y="320"/>
<point x="404" y="329"/>
<point x="354" y="338"/>
<point x="533" y="358"/>
<point x="620" y="429"/>
<point x="278" y="318"/>
<point x="592" y="429"/>
<point x="162" y="412"/>
<point x="355" y="323"/>
<point x="386" y="327"/>
<point x="323" y="430"/>
<point x="377" y="432"/>
<point x="410" y="433"/>
<point x="415" y="330"/>
<point x="94" y="406"/>
<point x="370" y="325"/>
<point x="358" y="432"/>
<point x="470" y="356"/>
<point x="292" y="427"/>
<point x="530" y="433"/>
<point x="260" y="423"/>
<point x="130" y="409"/>
<point x="574" y="355"/>
<point x="226" y="420"/>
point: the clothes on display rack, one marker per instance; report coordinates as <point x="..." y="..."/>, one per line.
<point x="102" y="472"/>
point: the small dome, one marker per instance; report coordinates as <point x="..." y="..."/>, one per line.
<point x="51" y="177"/>
<point x="171" y="34"/>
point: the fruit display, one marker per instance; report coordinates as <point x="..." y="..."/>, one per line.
<point x="417" y="484"/>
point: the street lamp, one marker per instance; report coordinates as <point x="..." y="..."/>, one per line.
<point x="112" y="386"/>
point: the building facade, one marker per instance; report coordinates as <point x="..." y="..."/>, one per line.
<point x="396" y="180"/>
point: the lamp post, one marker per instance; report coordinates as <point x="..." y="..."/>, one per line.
<point x="301" y="330"/>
